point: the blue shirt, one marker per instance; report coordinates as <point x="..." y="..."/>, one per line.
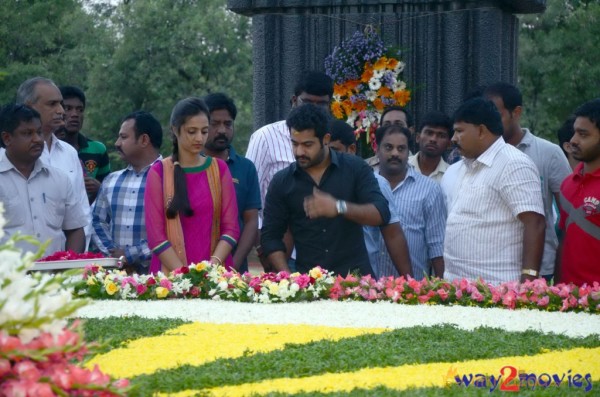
<point x="378" y="254"/>
<point x="247" y="190"/>
<point x="421" y="208"/>
<point x="118" y="216"/>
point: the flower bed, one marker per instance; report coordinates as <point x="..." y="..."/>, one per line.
<point x="207" y="281"/>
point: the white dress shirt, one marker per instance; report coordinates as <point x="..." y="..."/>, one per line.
<point x="484" y="237"/>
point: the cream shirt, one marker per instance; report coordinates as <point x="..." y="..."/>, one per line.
<point x="437" y="174"/>
<point x="484" y="237"/>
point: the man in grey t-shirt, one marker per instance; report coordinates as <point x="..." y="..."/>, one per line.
<point x="549" y="159"/>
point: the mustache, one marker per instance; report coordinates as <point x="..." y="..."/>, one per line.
<point x="222" y="136"/>
<point x="394" y="159"/>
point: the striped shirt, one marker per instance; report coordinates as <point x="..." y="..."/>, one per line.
<point x="484" y="237"/>
<point x="420" y="204"/>
<point x="270" y="149"/>
<point x="118" y="215"/>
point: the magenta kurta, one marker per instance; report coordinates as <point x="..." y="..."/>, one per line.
<point x="196" y="228"/>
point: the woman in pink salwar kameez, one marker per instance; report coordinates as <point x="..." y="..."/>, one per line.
<point x="190" y="205"/>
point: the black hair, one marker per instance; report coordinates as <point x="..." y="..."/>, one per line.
<point x="146" y="123"/>
<point x="381" y="132"/>
<point x="182" y="111"/>
<point x="591" y="110"/>
<point x="69" y="91"/>
<point x="307" y="117"/>
<point x="12" y="115"/>
<point x="409" y="121"/>
<point x="314" y="83"/>
<point x="480" y="111"/>
<point x="219" y="101"/>
<point x="343" y="132"/>
<point x="511" y="96"/>
<point x="438" y="119"/>
<point x="566" y="132"/>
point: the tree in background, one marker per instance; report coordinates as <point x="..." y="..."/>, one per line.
<point x="166" y="50"/>
<point x="129" y="55"/>
<point x="559" y="62"/>
<point x="56" y="39"/>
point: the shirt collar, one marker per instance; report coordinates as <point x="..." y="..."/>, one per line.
<point x="578" y="172"/>
<point x="146" y="168"/>
<point x="527" y="139"/>
<point x="233" y="156"/>
<point x="6" y="164"/>
<point x="82" y="141"/>
<point x="487" y="158"/>
<point x="333" y="155"/>
<point x="440" y="169"/>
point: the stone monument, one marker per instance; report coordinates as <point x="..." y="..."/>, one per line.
<point x="450" y="47"/>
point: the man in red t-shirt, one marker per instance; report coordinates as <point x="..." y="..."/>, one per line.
<point x="580" y="202"/>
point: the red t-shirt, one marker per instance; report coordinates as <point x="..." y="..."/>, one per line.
<point x="580" y="221"/>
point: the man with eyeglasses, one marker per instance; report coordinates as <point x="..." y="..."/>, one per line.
<point x="270" y="147"/>
<point x="218" y="144"/>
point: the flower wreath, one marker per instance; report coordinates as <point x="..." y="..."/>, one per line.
<point x="367" y="78"/>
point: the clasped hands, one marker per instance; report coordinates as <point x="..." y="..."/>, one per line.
<point x="320" y="204"/>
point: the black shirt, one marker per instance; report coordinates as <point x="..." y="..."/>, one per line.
<point x="335" y="244"/>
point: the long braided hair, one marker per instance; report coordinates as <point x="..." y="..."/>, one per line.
<point x="182" y="111"/>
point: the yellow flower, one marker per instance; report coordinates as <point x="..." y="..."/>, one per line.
<point x="273" y="288"/>
<point x="200" y="266"/>
<point x="337" y="110"/>
<point x="110" y="287"/>
<point x="402" y="97"/>
<point x="315" y="273"/>
<point x="91" y="281"/>
<point x="381" y="63"/>
<point x="161" y="292"/>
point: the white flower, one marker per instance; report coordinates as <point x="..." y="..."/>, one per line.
<point x="2" y="220"/>
<point x="374" y="83"/>
<point x="378" y="74"/>
<point x="371" y="95"/>
<point x="398" y="86"/>
<point x="399" y="67"/>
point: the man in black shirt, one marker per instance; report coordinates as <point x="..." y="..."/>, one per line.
<point x="324" y="198"/>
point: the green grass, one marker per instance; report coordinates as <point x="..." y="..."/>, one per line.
<point x="403" y="346"/>
<point x="116" y="331"/>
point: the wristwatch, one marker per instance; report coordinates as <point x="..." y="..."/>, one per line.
<point x="341" y="207"/>
<point x="530" y="272"/>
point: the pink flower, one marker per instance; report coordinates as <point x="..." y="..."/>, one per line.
<point x="509" y="299"/>
<point x="27" y="370"/>
<point x="5" y="367"/>
<point x="459" y="294"/>
<point x="165" y="283"/>
<point x="476" y="296"/>
<point x="303" y="281"/>
<point x="151" y="281"/>
<point x="544" y="301"/>
<point x="141" y="289"/>
<point x="195" y="292"/>
<point x="443" y="294"/>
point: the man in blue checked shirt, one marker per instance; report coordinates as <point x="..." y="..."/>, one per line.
<point x="118" y="213"/>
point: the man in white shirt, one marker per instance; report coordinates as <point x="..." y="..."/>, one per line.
<point x="38" y="198"/>
<point x="551" y="163"/>
<point x="433" y="140"/>
<point x="44" y="96"/>
<point x="495" y="227"/>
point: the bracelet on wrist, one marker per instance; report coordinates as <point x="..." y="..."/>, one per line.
<point x="217" y="259"/>
<point x="530" y="272"/>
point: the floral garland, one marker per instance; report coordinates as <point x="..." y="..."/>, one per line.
<point x="38" y="352"/>
<point x="367" y="78"/>
<point x="207" y="281"/>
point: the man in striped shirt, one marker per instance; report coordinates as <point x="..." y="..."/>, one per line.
<point x="496" y="226"/>
<point x="118" y="212"/>
<point x="419" y="202"/>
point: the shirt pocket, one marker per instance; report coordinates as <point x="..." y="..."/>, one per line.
<point x="14" y="211"/>
<point x="55" y="211"/>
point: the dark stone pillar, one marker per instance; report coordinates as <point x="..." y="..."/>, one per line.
<point x="450" y="47"/>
